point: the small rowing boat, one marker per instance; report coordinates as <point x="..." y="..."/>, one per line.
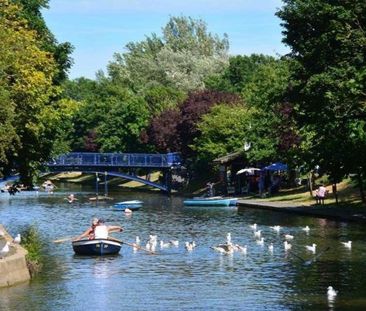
<point x="133" y="205"/>
<point x="97" y="247"/>
<point x="210" y="201"/>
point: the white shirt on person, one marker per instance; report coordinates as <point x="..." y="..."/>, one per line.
<point x="101" y="232"/>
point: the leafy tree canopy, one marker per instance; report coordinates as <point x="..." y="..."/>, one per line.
<point x="181" y="58"/>
<point x="328" y="42"/>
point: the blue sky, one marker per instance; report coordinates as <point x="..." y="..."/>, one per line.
<point x="97" y="29"/>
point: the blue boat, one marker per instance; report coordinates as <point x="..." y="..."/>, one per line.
<point x="133" y="205"/>
<point x="97" y="247"/>
<point x="211" y="201"/>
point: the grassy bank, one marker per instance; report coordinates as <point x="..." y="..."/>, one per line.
<point x="31" y="241"/>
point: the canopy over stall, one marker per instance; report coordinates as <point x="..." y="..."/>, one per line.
<point x="277" y="166"/>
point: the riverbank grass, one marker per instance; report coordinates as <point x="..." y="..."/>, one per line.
<point x="31" y="241"/>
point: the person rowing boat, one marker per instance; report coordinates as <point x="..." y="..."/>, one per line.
<point x="98" y="230"/>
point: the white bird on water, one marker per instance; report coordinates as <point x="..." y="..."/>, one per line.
<point x="270" y="247"/>
<point x="260" y="242"/>
<point x="254" y="226"/>
<point x="138" y="241"/>
<point x="276" y="228"/>
<point x="311" y="248"/>
<point x="17" y="239"/>
<point x="190" y="246"/>
<point x="257" y="234"/>
<point x="331" y="293"/>
<point x="289" y="237"/>
<point x="347" y="244"/>
<point x="287" y="245"/>
<point x="174" y="243"/>
<point x="306" y="229"/>
<point x="228" y="238"/>
<point x="164" y="245"/>
<point x="241" y="249"/>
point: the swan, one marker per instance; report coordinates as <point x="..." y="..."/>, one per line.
<point x="311" y="248"/>
<point x="347" y="244"/>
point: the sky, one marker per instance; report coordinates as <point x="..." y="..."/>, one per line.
<point x="98" y="29"/>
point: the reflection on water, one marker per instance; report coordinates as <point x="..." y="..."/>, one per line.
<point x="176" y="279"/>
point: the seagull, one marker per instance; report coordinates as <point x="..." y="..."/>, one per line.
<point x="174" y="243"/>
<point x="17" y="239"/>
<point x="261" y="241"/>
<point x="242" y="249"/>
<point x="331" y="293"/>
<point x="224" y="248"/>
<point x="254" y="226"/>
<point x="289" y="237"/>
<point x="276" y="228"/>
<point x="257" y="234"/>
<point x="270" y="247"/>
<point x="311" y="248"/>
<point x="138" y="241"/>
<point x="5" y="249"/>
<point x="228" y="238"/>
<point x="164" y="245"/>
<point x="307" y="229"/>
<point x="347" y="244"/>
<point x="190" y="246"/>
<point x="287" y="245"/>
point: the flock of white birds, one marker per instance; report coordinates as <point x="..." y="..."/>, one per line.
<point x="229" y="247"/>
<point x="6" y="248"/>
<point x="225" y="248"/>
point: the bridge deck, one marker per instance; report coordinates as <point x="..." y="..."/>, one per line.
<point x="116" y="160"/>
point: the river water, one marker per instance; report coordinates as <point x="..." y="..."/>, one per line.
<point x="175" y="279"/>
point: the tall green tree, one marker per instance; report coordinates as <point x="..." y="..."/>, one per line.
<point x="181" y="58"/>
<point x="27" y="86"/>
<point x="223" y="130"/>
<point x="328" y="43"/>
<point x="31" y="11"/>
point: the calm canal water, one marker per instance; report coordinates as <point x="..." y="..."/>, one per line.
<point x="176" y="279"/>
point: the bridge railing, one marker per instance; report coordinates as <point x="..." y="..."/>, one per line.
<point x="117" y="159"/>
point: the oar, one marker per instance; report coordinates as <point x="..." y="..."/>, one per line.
<point x="64" y="239"/>
<point x="133" y="245"/>
<point x="72" y="238"/>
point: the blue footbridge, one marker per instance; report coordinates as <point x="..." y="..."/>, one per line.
<point x="123" y="165"/>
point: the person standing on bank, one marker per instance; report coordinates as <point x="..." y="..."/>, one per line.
<point x="320" y="194"/>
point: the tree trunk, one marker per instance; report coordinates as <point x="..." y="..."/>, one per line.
<point x="335" y="192"/>
<point x="310" y="183"/>
<point x="360" y="185"/>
